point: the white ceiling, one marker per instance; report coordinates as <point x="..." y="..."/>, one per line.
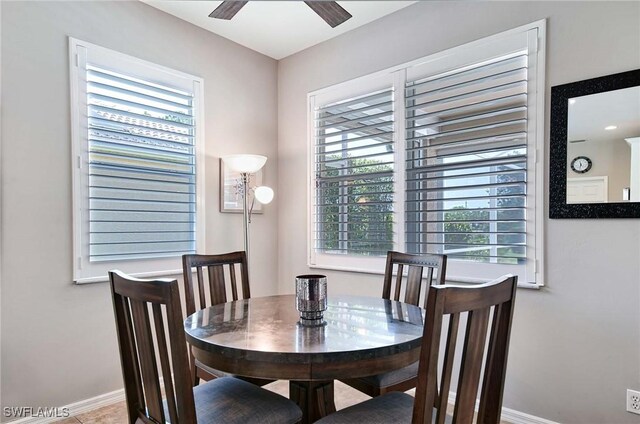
<point x="589" y="115"/>
<point x="277" y="28"/>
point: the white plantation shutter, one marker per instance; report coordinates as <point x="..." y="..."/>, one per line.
<point x="467" y="162"/>
<point x="135" y="186"/>
<point x="141" y="168"/>
<point x="354" y="175"/>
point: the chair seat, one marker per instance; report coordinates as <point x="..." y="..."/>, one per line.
<point x="392" y="377"/>
<point x="230" y="400"/>
<point x="394" y="407"/>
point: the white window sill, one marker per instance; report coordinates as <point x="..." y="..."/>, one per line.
<point x="105" y="278"/>
<point x="452" y="279"/>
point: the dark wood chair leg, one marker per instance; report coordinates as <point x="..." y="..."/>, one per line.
<point x="195" y="380"/>
<point x="193" y="372"/>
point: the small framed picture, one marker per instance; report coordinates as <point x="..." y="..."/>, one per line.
<point x="231" y="190"/>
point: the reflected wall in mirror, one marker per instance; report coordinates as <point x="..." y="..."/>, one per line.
<point x="602" y="133"/>
<point x="595" y="148"/>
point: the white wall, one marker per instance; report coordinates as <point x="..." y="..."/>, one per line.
<point x="576" y="343"/>
<point x="58" y="339"/>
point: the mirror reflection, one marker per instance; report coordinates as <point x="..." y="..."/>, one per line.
<point x="603" y="147"/>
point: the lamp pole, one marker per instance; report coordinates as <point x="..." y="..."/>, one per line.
<point x="245" y="211"/>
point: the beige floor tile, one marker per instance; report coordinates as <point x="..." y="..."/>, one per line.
<point x="344" y="395"/>
<point x="281" y="387"/>
<point x="70" y="420"/>
<point x="112" y="414"/>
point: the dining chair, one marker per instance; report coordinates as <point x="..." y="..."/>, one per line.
<point x="429" y="268"/>
<point x="217" y="283"/>
<point x="149" y="325"/>
<point x="488" y="309"/>
<point x="212" y="290"/>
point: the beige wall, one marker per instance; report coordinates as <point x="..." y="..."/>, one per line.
<point x="58" y="339"/>
<point x="576" y="343"/>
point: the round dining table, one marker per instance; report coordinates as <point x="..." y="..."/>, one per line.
<point x="261" y="337"/>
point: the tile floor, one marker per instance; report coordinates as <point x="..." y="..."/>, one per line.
<point x="116" y="413"/>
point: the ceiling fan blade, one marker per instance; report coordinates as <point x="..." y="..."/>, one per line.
<point x="330" y="11"/>
<point x="227" y="9"/>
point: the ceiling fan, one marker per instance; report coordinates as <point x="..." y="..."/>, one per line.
<point x="330" y="11"/>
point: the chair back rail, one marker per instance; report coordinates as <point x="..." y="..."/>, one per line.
<point x="215" y="280"/>
<point x="417" y="265"/>
<point x="489" y="311"/>
<point x="140" y="307"/>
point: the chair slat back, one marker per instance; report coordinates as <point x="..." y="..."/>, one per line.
<point x="420" y="268"/>
<point x="140" y="307"/>
<point x="489" y="311"/>
<point x="217" y="282"/>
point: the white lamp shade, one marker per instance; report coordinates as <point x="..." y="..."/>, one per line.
<point x="245" y="163"/>
<point x="263" y="194"/>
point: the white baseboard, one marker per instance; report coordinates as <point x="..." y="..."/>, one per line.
<point x="517" y="417"/>
<point x="77" y="408"/>
<point x="511" y="415"/>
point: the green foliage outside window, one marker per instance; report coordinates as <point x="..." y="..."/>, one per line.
<point x="356" y="213"/>
<point x="460" y="234"/>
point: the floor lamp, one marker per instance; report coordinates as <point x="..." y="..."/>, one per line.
<point x="246" y="165"/>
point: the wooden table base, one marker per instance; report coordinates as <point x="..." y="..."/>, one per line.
<point x="315" y="398"/>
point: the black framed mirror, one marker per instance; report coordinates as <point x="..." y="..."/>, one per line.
<point x="595" y="148"/>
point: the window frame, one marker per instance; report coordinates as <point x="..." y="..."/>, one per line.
<point x="533" y="272"/>
<point x="362" y="86"/>
<point x="83" y="270"/>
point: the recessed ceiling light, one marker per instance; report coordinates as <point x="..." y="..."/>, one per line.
<point x="610" y="127"/>
<point x="572" y="101"/>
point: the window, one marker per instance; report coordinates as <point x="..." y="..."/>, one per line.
<point x="447" y="163"/>
<point x="354" y="175"/>
<point x="136" y="169"/>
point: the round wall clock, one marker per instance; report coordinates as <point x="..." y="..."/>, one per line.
<point x="581" y="164"/>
